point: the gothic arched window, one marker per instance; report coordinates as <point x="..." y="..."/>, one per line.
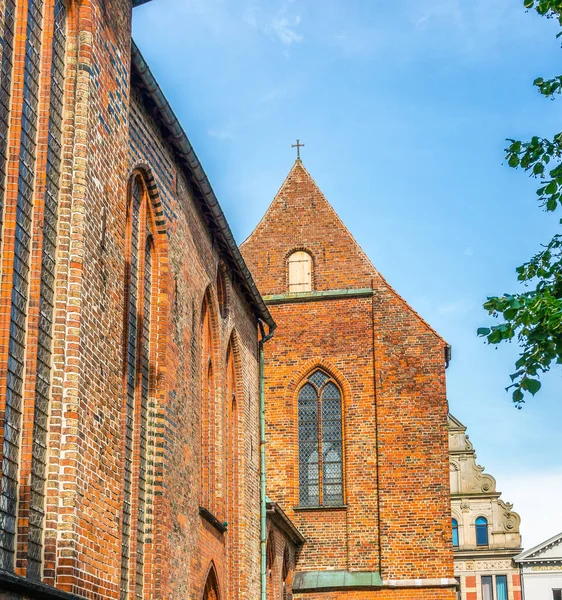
<point x="211" y="591"/>
<point x="320" y="442"/>
<point x="481" y="531"/>
<point x="232" y="459"/>
<point x="300" y="272"/>
<point x="455" y="533"/>
<point x="209" y="416"/>
<point x="141" y="273"/>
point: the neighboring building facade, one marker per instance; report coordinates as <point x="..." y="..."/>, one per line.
<point x="541" y="570"/>
<point x="356" y="410"/>
<point x="129" y="403"/>
<point x="485" y="529"/>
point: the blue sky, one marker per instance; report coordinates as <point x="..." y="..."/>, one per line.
<point x="404" y="109"/>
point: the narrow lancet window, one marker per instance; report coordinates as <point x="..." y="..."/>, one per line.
<point x="131" y="377"/>
<point x="141" y="273"/>
<point x="320" y="442"/>
<point x="208" y="416"/>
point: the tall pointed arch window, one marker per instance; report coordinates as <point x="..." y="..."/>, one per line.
<point x="208" y="416"/>
<point x="232" y="460"/>
<point x="300" y="272"/>
<point x="320" y="442"/>
<point x="142" y="270"/>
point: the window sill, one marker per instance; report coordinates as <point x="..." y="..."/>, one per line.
<point x="323" y="508"/>
<point x="212" y="520"/>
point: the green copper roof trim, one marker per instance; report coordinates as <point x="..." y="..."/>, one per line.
<point x="307" y="581"/>
<point x="314" y="296"/>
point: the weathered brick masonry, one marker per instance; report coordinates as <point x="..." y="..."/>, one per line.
<point x="393" y="524"/>
<point x="142" y="249"/>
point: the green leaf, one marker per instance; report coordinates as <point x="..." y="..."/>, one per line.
<point x="482" y="331"/>
<point x="551" y="188"/>
<point x="513" y="161"/>
<point x="533" y="385"/>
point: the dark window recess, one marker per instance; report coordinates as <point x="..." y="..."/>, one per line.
<point x="557" y="594"/>
<point x="145" y="392"/>
<point x="20" y="290"/>
<point x="46" y="299"/>
<point x="320" y="442"/>
<point x="131" y="368"/>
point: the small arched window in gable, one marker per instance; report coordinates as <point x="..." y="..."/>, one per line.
<point x="300" y="272"/>
<point x="455" y="524"/>
<point x="481" y="531"/>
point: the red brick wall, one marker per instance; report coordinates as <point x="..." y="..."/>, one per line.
<point x="108" y="136"/>
<point x="391" y="368"/>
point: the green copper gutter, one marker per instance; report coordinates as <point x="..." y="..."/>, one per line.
<point x="263" y="498"/>
<point x="316" y="296"/>
<point x="323" y="581"/>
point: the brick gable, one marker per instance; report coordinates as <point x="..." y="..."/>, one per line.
<point x="390" y="367"/>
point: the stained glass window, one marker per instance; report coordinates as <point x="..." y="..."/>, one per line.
<point x="320" y="442"/>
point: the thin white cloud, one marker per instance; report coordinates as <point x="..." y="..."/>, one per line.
<point x="220" y="134"/>
<point x="285" y="29"/>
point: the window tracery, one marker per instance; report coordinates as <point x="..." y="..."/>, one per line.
<point x="320" y="442"/>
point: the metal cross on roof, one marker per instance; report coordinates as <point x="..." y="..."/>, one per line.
<point x="298" y="146"/>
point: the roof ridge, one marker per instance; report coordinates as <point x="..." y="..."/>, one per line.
<point x="542" y="546"/>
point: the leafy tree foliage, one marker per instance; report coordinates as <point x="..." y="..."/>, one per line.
<point x="534" y="317"/>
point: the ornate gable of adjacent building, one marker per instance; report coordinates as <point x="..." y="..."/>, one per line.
<point x="474" y="494"/>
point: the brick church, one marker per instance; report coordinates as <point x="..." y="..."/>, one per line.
<point x="141" y="387"/>
<point x="356" y="412"/>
